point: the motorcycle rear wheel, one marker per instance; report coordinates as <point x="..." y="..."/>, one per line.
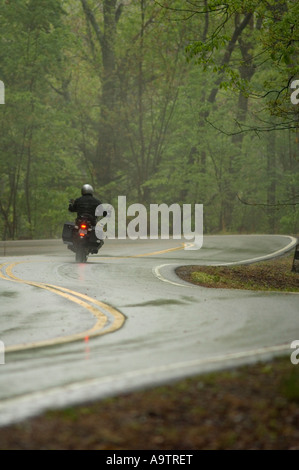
<point x="81" y="256"/>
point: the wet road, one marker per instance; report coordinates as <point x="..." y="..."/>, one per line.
<point x="78" y="332"/>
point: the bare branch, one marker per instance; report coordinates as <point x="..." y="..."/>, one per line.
<point x="193" y="12"/>
<point x="282" y="126"/>
<point x="279" y="204"/>
<point x="90" y="17"/>
<point x="118" y="12"/>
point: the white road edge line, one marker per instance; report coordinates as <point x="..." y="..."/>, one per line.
<point x="156" y="272"/>
<point x="127" y="376"/>
<point x="293" y="242"/>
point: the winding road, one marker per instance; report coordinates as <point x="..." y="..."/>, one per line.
<point x="124" y="320"/>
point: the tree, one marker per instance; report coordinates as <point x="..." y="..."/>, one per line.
<point x="106" y="151"/>
<point x="251" y="47"/>
<point x="30" y="52"/>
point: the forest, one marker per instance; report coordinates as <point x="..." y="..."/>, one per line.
<point x="188" y="102"/>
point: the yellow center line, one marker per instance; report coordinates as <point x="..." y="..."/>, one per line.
<point x="78" y="298"/>
<point x="177" y="248"/>
<point x="143" y="255"/>
<point x="72" y="296"/>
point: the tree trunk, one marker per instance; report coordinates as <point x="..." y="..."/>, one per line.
<point x="106" y="151"/>
<point x="271" y="188"/>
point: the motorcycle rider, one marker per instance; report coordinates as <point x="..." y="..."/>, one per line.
<point x="86" y="204"/>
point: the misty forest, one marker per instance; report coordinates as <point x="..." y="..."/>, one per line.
<point x="188" y="102"/>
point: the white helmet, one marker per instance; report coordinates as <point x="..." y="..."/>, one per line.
<point x="87" y="189"/>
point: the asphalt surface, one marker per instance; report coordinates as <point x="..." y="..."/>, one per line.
<point x="78" y="332"/>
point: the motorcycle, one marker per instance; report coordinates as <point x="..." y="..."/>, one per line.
<point x="80" y="237"/>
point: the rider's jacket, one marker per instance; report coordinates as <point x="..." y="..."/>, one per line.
<point x="85" y="205"/>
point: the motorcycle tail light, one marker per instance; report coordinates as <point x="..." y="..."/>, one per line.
<point x="83" y="226"/>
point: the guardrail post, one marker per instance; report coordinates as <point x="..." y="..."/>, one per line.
<point x="2" y="93"/>
<point x="295" y="267"/>
<point x="2" y="353"/>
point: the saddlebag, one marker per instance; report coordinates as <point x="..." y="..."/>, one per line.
<point x="94" y="242"/>
<point x="67" y="233"/>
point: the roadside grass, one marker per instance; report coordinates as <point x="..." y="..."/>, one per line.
<point x="273" y="275"/>
<point x="249" y="407"/>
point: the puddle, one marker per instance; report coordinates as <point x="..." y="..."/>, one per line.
<point x="157" y="303"/>
<point x="8" y="294"/>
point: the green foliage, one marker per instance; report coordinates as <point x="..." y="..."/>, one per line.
<point x="272" y="36"/>
<point x="289" y="386"/>
<point x="194" y="85"/>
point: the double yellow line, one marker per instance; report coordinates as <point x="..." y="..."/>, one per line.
<point x="101" y="311"/>
<point x="144" y="255"/>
